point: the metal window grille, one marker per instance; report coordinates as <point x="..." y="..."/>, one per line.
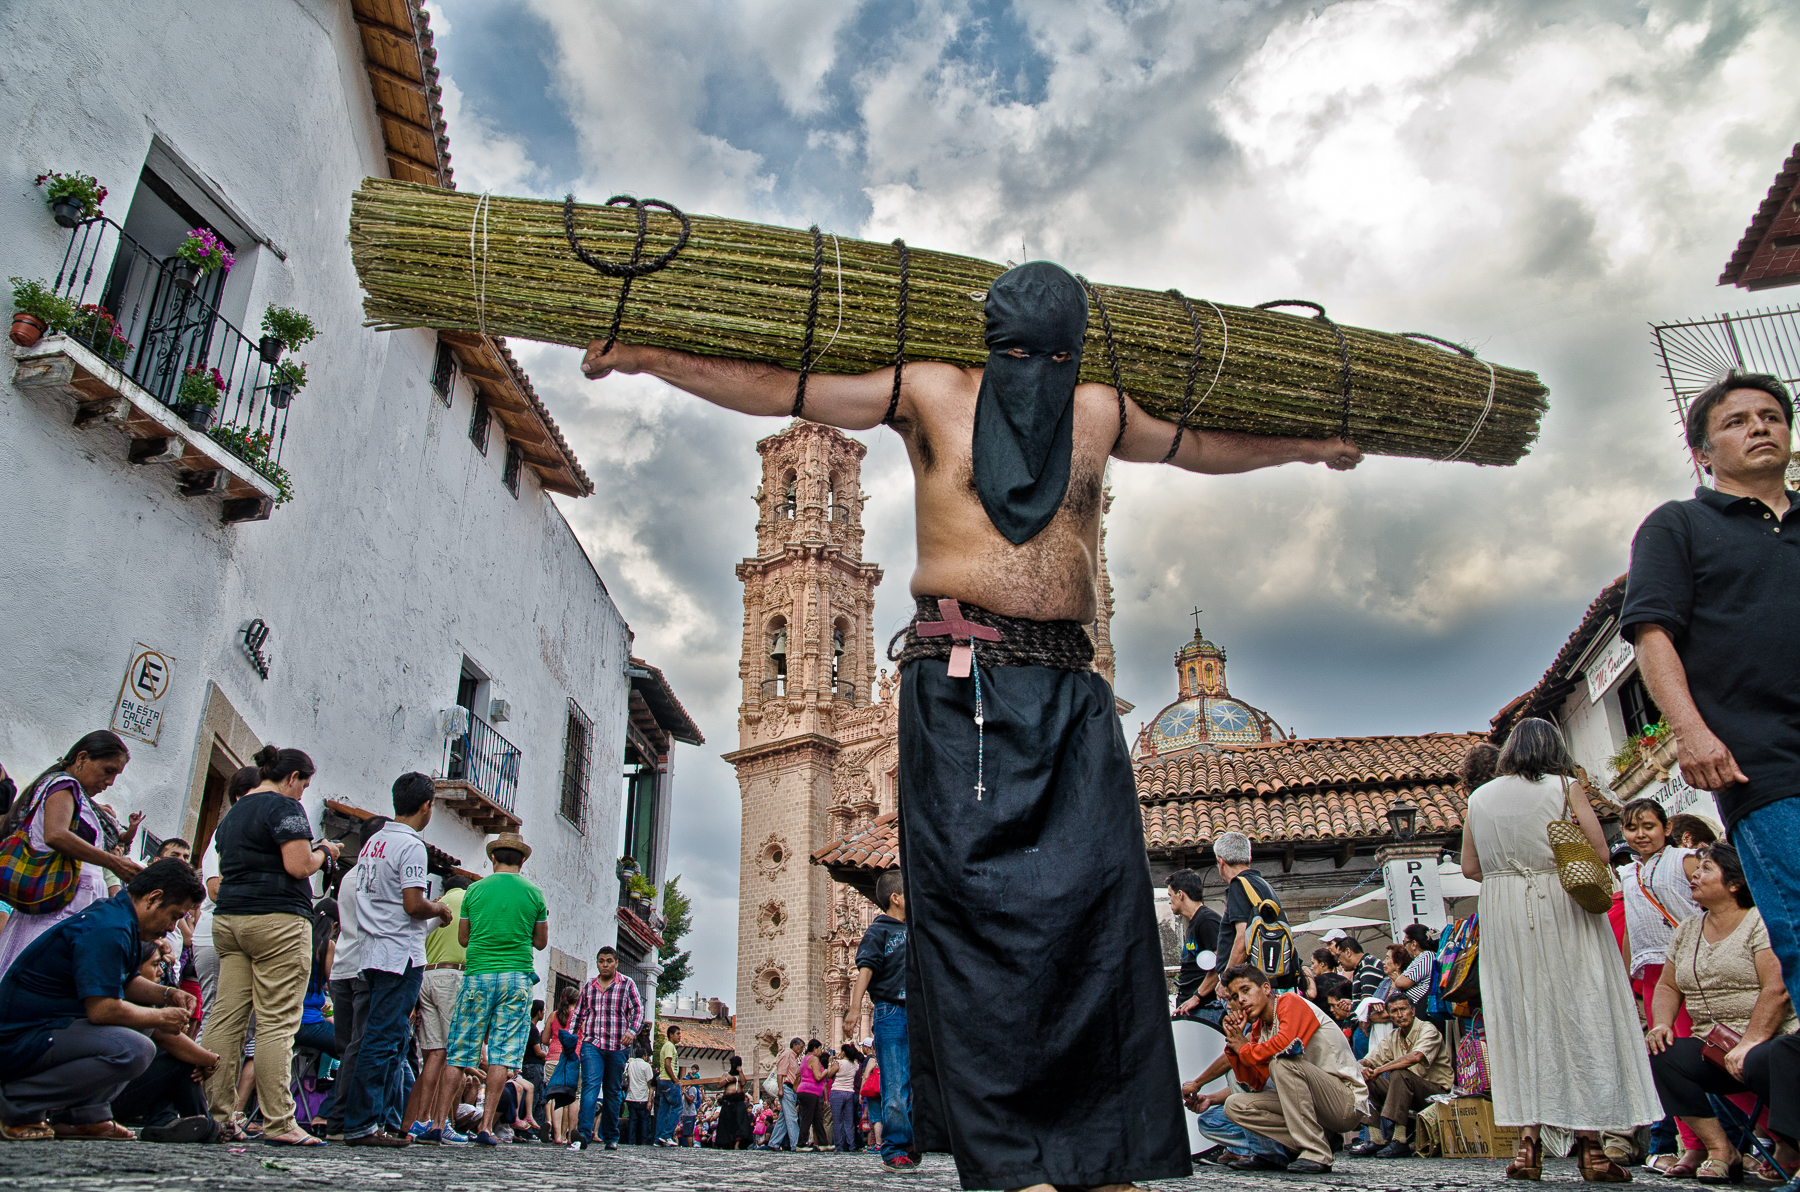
<point x="1696" y="353"/>
<point x="578" y="759"/>
<point x="443" y="372"/>
<point x="514" y="463"/>
<point x="478" y="425"/>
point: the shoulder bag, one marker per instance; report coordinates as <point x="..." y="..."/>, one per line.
<point x="1584" y="874"/>
<point x="34" y="882"/>
<point x="1721" y="1038"/>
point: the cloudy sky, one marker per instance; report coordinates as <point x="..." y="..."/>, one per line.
<point x="1540" y="180"/>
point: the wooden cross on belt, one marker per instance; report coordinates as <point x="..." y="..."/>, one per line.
<point x="961" y="632"/>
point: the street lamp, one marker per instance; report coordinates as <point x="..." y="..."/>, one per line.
<point x="1404" y="818"/>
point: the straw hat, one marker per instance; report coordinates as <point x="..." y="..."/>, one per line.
<point x="510" y="840"/>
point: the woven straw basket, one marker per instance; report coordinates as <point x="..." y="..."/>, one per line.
<point x="1583" y="872"/>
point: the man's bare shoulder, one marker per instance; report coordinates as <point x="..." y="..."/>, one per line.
<point x="932" y="380"/>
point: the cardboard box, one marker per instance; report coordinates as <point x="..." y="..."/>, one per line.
<point x="1466" y="1130"/>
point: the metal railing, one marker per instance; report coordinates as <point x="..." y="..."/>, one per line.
<point x="1697" y="352"/>
<point x="486" y="760"/>
<point x="643" y="908"/>
<point x="150" y="319"/>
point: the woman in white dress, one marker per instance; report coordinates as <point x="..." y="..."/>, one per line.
<point x="58" y="811"/>
<point x="1564" y="1046"/>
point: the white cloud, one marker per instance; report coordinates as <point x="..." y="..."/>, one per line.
<point x="1538" y="179"/>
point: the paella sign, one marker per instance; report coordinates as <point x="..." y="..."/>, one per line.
<point x="138" y="712"/>
<point x="1415" y="894"/>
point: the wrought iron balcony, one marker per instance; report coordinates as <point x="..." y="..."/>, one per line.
<point x="149" y="319"/>
<point x="486" y="761"/>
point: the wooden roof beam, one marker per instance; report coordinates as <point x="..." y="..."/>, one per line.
<point x="383" y="29"/>
<point x="406" y="159"/>
<point x="406" y="122"/>
<point x="378" y="71"/>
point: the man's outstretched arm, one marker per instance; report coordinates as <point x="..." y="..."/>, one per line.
<point x="1217" y="452"/>
<point x="847" y="402"/>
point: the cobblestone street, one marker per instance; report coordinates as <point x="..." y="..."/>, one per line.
<point x="126" y="1167"/>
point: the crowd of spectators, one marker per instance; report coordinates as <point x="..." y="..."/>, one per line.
<point x="167" y="1001"/>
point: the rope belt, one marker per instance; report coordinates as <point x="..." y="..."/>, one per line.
<point x="1532" y="893"/>
<point x="1062" y="645"/>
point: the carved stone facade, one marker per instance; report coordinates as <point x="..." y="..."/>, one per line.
<point x="804" y="764"/>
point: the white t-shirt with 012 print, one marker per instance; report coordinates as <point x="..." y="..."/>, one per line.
<point x="391" y="863"/>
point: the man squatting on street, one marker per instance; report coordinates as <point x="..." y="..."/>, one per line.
<point x="1028" y="893"/>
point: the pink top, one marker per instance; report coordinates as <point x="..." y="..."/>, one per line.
<point x="809" y="1082"/>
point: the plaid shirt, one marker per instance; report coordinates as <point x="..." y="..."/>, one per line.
<point x="609" y="1017"/>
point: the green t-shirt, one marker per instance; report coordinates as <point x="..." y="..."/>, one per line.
<point x="440" y="944"/>
<point x="502" y="909"/>
<point x="666" y="1059"/>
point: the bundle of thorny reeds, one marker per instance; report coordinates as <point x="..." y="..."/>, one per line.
<point x="456" y="261"/>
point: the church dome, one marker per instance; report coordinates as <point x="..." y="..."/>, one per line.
<point x="1205" y="713"/>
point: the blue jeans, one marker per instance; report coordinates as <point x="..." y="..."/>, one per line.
<point x="391" y="1000"/>
<point x="1762" y="839"/>
<point x="1216" y="1126"/>
<point x="787" y="1126"/>
<point x="668" y="1109"/>
<point x="895" y="1059"/>
<point x="601" y="1071"/>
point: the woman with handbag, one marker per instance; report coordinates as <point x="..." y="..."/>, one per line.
<point x="1563" y="1041"/>
<point x="52" y="865"/>
<point x="1721" y="968"/>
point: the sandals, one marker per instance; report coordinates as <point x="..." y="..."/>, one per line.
<point x="1597" y="1167"/>
<point x="89" y="1131"/>
<point x="1528" y="1162"/>
<point x="26" y="1132"/>
<point x="1714" y="1171"/>
<point x="1661" y="1164"/>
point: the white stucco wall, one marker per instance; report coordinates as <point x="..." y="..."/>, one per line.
<point x="401" y="552"/>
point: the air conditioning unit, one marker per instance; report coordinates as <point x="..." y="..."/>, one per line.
<point x="499" y="711"/>
<point x="454" y="722"/>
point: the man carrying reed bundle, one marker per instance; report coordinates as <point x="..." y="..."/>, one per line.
<point x="1041" y="1052"/>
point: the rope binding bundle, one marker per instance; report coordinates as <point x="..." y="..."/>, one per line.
<point x="573" y="273"/>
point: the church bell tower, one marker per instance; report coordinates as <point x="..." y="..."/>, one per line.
<point x="807" y="661"/>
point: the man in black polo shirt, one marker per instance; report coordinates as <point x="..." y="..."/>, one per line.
<point x="1197" y="985"/>
<point x="75" y="1010"/>
<point x="1713" y="606"/>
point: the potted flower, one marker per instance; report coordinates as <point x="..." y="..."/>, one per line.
<point x="97" y="328"/>
<point x="252" y="446"/>
<point x="199" y="255"/>
<point x="283" y="328"/>
<point x="72" y="197"/>
<point x="285" y="380"/>
<point x="201" y="389"/>
<point x="37" y="310"/>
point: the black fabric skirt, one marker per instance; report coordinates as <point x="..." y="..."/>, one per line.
<point x="734" y="1121"/>
<point x="1037" y="1012"/>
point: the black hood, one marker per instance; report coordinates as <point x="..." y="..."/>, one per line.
<point x="1025" y="413"/>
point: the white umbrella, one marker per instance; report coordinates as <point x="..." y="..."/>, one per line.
<point x="1336" y="922"/>
<point x="1378" y="894"/>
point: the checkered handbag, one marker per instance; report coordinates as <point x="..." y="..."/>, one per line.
<point x="1584" y="874"/>
<point x="33" y="882"/>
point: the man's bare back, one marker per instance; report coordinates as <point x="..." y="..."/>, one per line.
<point x="1050" y="577"/>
